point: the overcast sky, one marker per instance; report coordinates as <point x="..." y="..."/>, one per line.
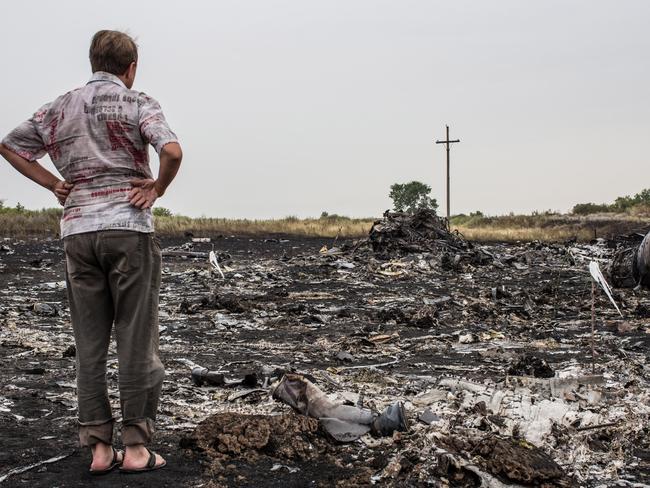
<point x="295" y="107"/>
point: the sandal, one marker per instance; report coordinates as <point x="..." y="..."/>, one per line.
<point x="114" y="464"/>
<point x="150" y="466"/>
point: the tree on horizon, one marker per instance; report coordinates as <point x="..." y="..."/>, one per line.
<point x="412" y="196"/>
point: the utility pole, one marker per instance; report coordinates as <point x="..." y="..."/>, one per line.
<point x="447" y="142"/>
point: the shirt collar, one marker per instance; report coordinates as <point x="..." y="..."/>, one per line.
<point x="104" y="76"/>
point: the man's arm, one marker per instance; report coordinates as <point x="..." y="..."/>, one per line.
<point x="145" y="191"/>
<point x="37" y="173"/>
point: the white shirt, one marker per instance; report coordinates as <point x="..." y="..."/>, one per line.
<point x="97" y="137"/>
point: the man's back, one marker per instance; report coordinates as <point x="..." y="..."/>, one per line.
<point x="97" y="137"/>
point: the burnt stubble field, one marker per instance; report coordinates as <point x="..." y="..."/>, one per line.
<point x="488" y="346"/>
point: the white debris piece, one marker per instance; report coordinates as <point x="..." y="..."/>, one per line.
<point x="215" y="264"/>
<point x="598" y="277"/>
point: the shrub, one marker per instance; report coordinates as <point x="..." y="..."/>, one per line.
<point x="591" y="208"/>
<point x="162" y="212"/>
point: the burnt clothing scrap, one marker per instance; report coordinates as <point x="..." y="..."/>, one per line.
<point x="97" y="137"/>
<point x="345" y="423"/>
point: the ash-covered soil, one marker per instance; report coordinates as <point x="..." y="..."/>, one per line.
<point x="489" y="348"/>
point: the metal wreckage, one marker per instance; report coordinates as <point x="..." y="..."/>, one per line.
<point x="409" y="358"/>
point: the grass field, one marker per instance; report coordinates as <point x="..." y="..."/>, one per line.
<point x="22" y="222"/>
<point x="542" y="226"/>
<point x="323" y="227"/>
<point x="548" y="227"/>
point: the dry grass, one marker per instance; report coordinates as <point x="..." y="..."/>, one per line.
<point x="549" y="234"/>
<point x="29" y="222"/>
<point x="46" y="222"/>
<point x="323" y="227"/>
<point x="548" y="227"/>
<point x="543" y="227"/>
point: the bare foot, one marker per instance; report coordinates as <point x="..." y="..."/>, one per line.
<point x="103" y="456"/>
<point x="138" y="456"/>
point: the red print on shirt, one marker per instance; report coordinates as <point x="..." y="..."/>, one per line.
<point x="119" y="140"/>
<point x="40" y="116"/>
<point x="53" y="147"/>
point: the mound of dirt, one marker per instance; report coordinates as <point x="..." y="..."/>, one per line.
<point x="233" y="435"/>
<point x="521" y="462"/>
<point x="515" y="461"/>
<point x="272" y="450"/>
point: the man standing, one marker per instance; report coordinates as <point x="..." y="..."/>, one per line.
<point x="97" y="137"/>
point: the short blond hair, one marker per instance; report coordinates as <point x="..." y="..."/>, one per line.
<point x="112" y="51"/>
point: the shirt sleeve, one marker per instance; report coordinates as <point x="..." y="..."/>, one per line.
<point x="153" y="126"/>
<point x="25" y="140"/>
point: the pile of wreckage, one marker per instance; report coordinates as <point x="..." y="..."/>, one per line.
<point x="422" y="231"/>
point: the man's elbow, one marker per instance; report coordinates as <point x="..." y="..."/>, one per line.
<point x="172" y="152"/>
<point x="5" y="152"/>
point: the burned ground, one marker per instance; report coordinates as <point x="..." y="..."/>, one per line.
<point x="466" y="337"/>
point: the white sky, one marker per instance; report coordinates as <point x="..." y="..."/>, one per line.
<point x="293" y="107"/>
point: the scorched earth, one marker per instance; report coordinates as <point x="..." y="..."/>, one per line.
<point x="488" y="347"/>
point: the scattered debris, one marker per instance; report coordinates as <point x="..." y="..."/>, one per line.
<point x="598" y="277"/>
<point x="428" y="417"/>
<point x="529" y="365"/>
<point x="44" y="309"/>
<point x="29" y="467"/>
<point x="215" y="263"/>
<point x="641" y="263"/>
<point x="621" y="268"/>
<point x="483" y="345"/>
<point x="343" y="422"/>
<point x="201" y="376"/>
<point x="70" y="352"/>
<point x="291" y="470"/>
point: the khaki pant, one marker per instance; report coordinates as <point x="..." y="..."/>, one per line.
<point x="113" y="279"/>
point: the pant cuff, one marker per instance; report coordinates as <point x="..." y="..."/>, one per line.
<point x="91" y="433"/>
<point x="137" y="431"/>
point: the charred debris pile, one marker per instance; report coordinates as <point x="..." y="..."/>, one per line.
<point x="423" y="231"/>
<point x="399" y="234"/>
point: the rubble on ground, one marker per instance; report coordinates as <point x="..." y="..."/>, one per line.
<point x="486" y="346"/>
